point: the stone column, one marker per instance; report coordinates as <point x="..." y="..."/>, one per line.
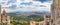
<point x="58" y="14"/>
<point x="55" y="12"/>
<point x="53" y="9"/>
<point x="0" y="14"/>
<point x="44" y="19"/>
<point x="8" y="20"/>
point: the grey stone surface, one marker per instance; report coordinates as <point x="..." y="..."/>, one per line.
<point x="55" y="12"/>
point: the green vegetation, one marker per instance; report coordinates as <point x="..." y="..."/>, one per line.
<point x="24" y="20"/>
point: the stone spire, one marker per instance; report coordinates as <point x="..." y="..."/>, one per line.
<point x="3" y="12"/>
<point x="3" y="17"/>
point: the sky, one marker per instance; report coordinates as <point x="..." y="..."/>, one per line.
<point x="26" y="5"/>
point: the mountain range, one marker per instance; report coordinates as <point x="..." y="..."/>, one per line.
<point x="29" y="13"/>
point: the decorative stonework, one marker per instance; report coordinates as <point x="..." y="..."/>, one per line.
<point x="55" y="12"/>
<point x="3" y="17"/>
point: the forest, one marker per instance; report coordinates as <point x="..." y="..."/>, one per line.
<point x="24" y="20"/>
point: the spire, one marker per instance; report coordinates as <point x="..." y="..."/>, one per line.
<point x="3" y="11"/>
<point x="3" y="16"/>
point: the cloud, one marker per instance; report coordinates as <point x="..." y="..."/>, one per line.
<point x="11" y="1"/>
<point x="42" y="0"/>
<point x="23" y="3"/>
<point x="13" y="6"/>
<point x="26" y="5"/>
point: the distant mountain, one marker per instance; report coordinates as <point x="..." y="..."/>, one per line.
<point x="29" y="13"/>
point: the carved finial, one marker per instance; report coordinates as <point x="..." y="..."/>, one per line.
<point x="3" y="11"/>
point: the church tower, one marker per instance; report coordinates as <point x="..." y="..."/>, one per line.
<point x="3" y="17"/>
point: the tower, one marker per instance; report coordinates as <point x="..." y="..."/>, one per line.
<point x="5" y="20"/>
<point x="3" y="17"/>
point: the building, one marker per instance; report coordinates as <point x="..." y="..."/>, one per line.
<point x="5" y="20"/>
<point x="55" y="13"/>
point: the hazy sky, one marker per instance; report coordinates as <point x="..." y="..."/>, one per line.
<point x="26" y="5"/>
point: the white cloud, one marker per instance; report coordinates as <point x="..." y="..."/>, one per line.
<point x="18" y="2"/>
<point x="34" y="7"/>
<point x="28" y="0"/>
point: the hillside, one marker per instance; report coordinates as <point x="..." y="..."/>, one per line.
<point x="24" y="20"/>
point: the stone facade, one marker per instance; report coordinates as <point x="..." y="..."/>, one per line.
<point x="55" y="13"/>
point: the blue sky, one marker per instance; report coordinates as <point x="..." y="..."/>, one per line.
<point x="26" y="5"/>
